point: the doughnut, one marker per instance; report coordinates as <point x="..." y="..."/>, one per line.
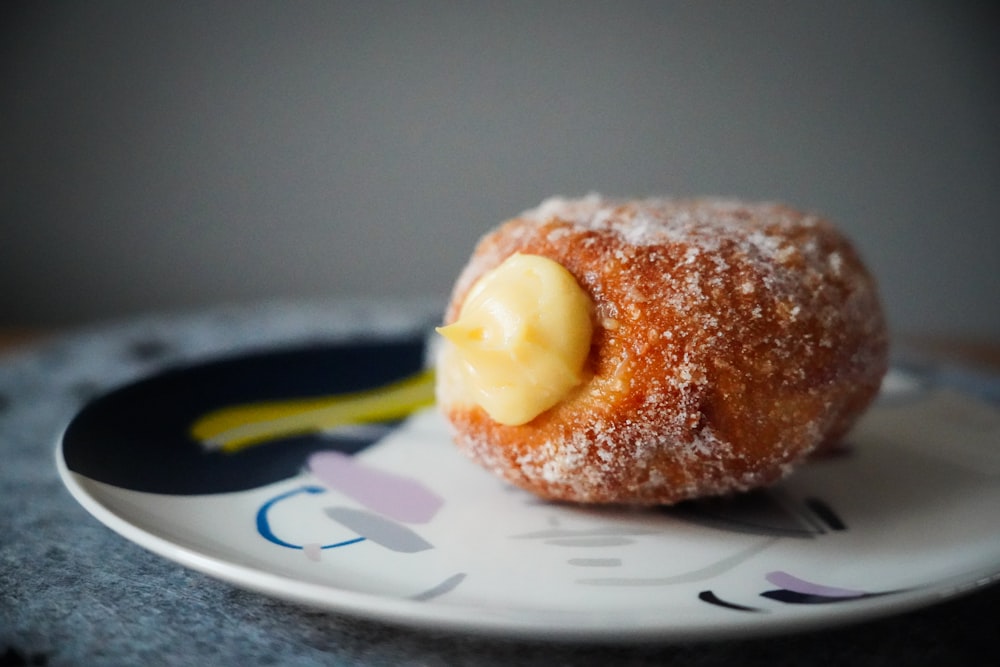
<point x="651" y="351"/>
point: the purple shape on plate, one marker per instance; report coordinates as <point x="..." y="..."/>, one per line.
<point x="397" y="497"/>
<point x="793" y="583"/>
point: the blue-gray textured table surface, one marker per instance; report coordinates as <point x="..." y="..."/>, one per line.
<point x="72" y="592"/>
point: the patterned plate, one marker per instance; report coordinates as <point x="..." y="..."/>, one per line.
<point x="319" y="474"/>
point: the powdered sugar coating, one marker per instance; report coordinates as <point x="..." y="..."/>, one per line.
<point x="731" y="340"/>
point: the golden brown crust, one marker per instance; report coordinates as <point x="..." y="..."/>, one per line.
<point x="731" y="340"/>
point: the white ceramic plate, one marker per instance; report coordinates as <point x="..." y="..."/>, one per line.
<point x="388" y="521"/>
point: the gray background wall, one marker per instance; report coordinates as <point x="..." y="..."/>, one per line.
<point x="176" y="155"/>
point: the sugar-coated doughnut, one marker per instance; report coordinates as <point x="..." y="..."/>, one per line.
<point x="730" y="341"/>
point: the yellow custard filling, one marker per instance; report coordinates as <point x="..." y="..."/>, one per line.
<point x="521" y="339"/>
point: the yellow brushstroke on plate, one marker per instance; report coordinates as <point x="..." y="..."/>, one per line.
<point x="233" y="428"/>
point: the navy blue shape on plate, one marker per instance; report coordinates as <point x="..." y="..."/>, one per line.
<point x="137" y="437"/>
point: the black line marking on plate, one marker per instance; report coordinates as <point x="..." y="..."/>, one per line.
<point x="712" y="598"/>
<point x="826" y="513"/>
<point x="795" y="597"/>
